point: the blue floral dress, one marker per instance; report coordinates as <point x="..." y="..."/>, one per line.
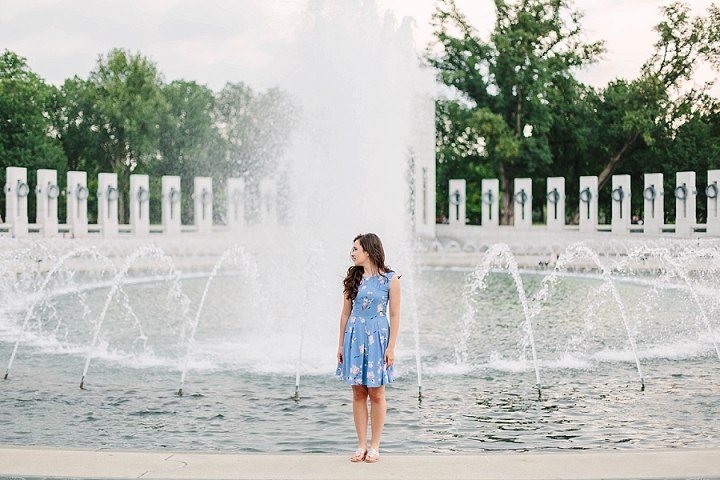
<point x="367" y="334"/>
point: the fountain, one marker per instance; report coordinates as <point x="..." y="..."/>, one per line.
<point x="60" y="263"/>
<point x="500" y="255"/>
<point x="265" y="298"/>
<point x="116" y="288"/>
<point x="581" y="250"/>
<point x="235" y="255"/>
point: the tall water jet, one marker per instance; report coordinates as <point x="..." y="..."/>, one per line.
<point x="581" y="249"/>
<point x="500" y="255"/>
<point x="416" y="332"/>
<point x="60" y="263"/>
<point x="316" y="252"/>
<point x="358" y="79"/>
<point x="145" y="250"/>
<point x="678" y="266"/>
<point x="236" y="254"/>
<point x="408" y="268"/>
<point x="684" y="274"/>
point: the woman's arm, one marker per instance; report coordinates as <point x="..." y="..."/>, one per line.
<point x="347" y="308"/>
<point x="394" y="293"/>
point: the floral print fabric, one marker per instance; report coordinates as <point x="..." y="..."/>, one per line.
<point x="367" y="334"/>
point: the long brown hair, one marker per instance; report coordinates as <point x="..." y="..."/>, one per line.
<point x="373" y="246"/>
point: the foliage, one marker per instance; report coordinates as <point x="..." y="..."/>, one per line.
<point x="27" y="138"/>
<point x="648" y="124"/>
<point x="644" y="125"/>
<point x="525" y="65"/>
<point x="458" y="155"/>
<point x="190" y="144"/>
<point x="257" y="129"/>
<point x="654" y="105"/>
<point x="125" y="119"/>
<point x="111" y="122"/>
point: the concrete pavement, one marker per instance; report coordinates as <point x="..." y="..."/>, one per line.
<point x="77" y="463"/>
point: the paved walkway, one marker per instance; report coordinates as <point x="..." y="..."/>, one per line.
<point x="76" y="463"/>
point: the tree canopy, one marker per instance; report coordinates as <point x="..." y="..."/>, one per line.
<point x="27" y="136"/>
<point x="124" y="118"/>
<point x="513" y="79"/>
<point x="525" y="75"/>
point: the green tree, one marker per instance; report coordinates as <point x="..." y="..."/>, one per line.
<point x="27" y="137"/>
<point x="460" y="153"/>
<point x="571" y="137"/>
<point x="691" y="145"/>
<point x="526" y="64"/>
<point x="257" y="129"/>
<point x="635" y="126"/>
<point x="190" y="142"/>
<point x="111" y="122"/>
<point x="634" y="114"/>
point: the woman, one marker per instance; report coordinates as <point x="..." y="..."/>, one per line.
<point x="366" y="351"/>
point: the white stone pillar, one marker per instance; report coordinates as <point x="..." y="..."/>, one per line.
<point x="457" y="215"/>
<point x="522" y="203"/>
<point x="555" y="203"/>
<point x="422" y="149"/>
<point x="425" y="199"/>
<point x="712" y="192"/>
<point x="16" y="193"/>
<point x="108" y="195"/>
<point x="685" y="203"/>
<point x="268" y="202"/>
<point x="47" y="193"/>
<point x="653" y="204"/>
<point x="490" y="202"/>
<point x="203" y="204"/>
<point x="171" y="205"/>
<point x="236" y="203"/>
<point x="76" y="196"/>
<point x="620" y="200"/>
<point x="588" y="204"/>
<point x="140" y="204"/>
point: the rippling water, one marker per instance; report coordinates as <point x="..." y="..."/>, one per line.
<point x="242" y="373"/>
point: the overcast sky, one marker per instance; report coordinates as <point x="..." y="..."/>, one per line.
<point x="214" y="42"/>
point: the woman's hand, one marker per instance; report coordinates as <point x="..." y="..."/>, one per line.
<point x="389" y="357"/>
<point x="339" y="355"/>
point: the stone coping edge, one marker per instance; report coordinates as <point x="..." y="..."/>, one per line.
<point x="57" y="462"/>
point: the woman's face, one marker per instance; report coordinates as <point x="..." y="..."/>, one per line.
<point x="358" y="255"/>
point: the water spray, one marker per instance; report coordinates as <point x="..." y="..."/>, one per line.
<point x="113" y="290"/>
<point x="416" y="334"/>
<point x="683" y="273"/>
<point x="580" y="248"/>
<point x="407" y="254"/>
<point x="61" y="261"/>
<point x="232" y="252"/>
<point x="296" y="397"/>
<point x="503" y="253"/>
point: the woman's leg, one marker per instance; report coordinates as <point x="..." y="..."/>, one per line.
<point x="377" y="414"/>
<point x="360" y="413"/>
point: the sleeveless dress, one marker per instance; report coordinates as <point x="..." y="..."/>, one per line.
<point x="367" y="334"/>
